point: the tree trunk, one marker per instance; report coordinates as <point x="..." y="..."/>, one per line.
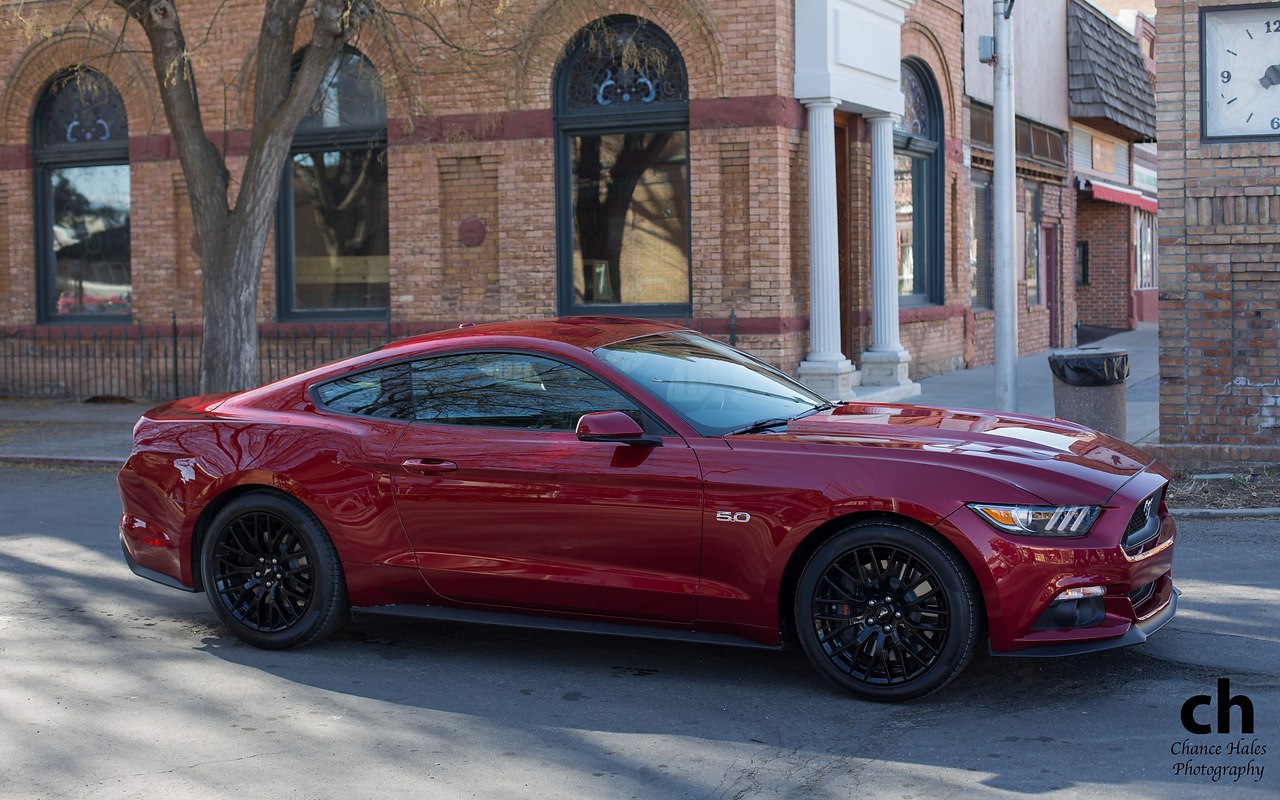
<point x="230" y="264"/>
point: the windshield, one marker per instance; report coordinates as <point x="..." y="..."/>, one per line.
<point x="715" y="388"/>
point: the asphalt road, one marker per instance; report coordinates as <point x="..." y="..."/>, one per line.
<point x="111" y="686"/>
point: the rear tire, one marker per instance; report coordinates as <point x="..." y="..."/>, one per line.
<point x="271" y="572"/>
<point x="886" y="613"/>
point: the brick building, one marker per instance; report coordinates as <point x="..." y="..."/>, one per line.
<point x="1112" y="106"/>
<point x="555" y="181"/>
<point x="1219" y="245"/>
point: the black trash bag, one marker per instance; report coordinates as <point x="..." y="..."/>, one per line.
<point x="1090" y="366"/>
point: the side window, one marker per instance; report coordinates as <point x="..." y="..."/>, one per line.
<point x="382" y="393"/>
<point x="510" y="390"/>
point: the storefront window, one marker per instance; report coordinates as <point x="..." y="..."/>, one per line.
<point x="622" y="154"/>
<point x="81" y="153"/>
<point x="1031" y="252"/>
<point x="334" y="243"/>
<point x="1144" y="238"/>
<point x="918" y="186"/>
<point x="981" y="251"/>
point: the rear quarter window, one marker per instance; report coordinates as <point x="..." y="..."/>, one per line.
<point x="382" y="393"/>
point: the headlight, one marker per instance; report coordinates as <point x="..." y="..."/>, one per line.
<point x="1040" y="520"/>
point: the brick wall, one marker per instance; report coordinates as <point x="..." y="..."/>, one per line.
<point x="1108" y="228"/>
<point x="474" y="143"/>
<point x="471" y="142"/>
<point x="1219" y="262"/>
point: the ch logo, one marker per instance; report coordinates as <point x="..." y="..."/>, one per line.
<point x="1225" y="702"/>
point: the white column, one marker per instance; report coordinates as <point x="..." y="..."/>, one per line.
<point x="825" y="369"/>
<point x="885" y="362"/>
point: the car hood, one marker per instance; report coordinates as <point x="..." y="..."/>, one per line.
<point x="1057" y="460"/>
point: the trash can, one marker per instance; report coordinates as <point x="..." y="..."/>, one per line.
<point x="1089" y="387"/>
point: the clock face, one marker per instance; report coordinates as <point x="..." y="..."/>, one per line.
<point x="1240" y="72"/>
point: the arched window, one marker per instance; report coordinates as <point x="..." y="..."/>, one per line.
<point x="333" y="243"/>
<point x="80" y="144"/>
<point x="918" y="188"/>
<point x="622" y="171"/>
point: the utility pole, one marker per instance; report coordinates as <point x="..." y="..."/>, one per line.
<point x="1003" y="185"/>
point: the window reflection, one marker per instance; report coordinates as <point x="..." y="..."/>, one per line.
<point x="80" y="146"/>
<point x="918" y="166"/>
<point x="510" y="390"/>
<point x="981" y="248"/>
<point x="334" y="243"/>
<point x="350" y="97"/>
<point x="631" y="218"/>
<point x="380" y="393"/>
<point x="341" y="239"/>
<point x="90" y="238"/>
<point x="904" y="207"/>
<point x="1031" y="247"/>
<point x="715" y="388"/>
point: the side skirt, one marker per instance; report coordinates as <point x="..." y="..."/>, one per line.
<point x="509" y="620"/>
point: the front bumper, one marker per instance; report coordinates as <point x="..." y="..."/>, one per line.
<point x="1022" y="577"/>
<point x="1137" y="634"/>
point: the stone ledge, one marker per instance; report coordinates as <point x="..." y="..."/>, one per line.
<point x="1183" y="456"/>
<point x="886" y="394"/>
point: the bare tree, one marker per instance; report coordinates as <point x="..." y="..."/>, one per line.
<point x="233" y="235"/>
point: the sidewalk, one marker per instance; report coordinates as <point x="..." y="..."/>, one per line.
<point x="975" y="388"/>
<point x="59" y="431"/>
<point x="63" y="432"/>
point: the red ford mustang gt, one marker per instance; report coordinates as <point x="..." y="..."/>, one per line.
<point x="625" y="476"/>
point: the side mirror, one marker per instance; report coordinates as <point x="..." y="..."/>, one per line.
<point x="614" y="427"/>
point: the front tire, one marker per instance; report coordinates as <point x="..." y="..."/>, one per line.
<point x="271" y="572"/>
<point x="885" y="612"/>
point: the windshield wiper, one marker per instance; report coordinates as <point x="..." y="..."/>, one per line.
<point x="773" y="422"/>
<point x="762" y="425"/>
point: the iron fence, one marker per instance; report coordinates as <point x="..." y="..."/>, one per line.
<point x="162" y="362"/>
<point x="81" y="362"/>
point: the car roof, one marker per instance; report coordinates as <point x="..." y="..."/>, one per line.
<point x="586" y="333"/>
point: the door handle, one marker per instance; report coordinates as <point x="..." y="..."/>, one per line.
<point x="428" y="465"/>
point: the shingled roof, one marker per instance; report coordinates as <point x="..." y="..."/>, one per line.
<point x="1108" y="87"/>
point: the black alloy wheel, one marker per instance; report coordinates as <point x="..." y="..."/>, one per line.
<point x="886" y="612"/>
<point x="271" y="572"/>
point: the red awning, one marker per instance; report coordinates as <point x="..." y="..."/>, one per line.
<point x="1119" y="194"/>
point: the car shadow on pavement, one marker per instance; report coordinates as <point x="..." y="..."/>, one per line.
<point x="568" y="689"/>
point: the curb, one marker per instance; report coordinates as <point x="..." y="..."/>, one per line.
<point x="19" y="460"/>
<point x="1220" y="513"/>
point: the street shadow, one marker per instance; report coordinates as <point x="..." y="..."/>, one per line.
<point x="568" y="689"/>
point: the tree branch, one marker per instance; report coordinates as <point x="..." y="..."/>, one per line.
<point x="203" y="165"/>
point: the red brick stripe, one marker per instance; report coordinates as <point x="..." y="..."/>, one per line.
<point x="765" y="111"/>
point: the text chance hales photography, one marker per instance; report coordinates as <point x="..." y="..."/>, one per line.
<point x="1224" y="749"/>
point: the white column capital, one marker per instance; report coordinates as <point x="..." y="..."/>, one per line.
<point x="819" y="102"/>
